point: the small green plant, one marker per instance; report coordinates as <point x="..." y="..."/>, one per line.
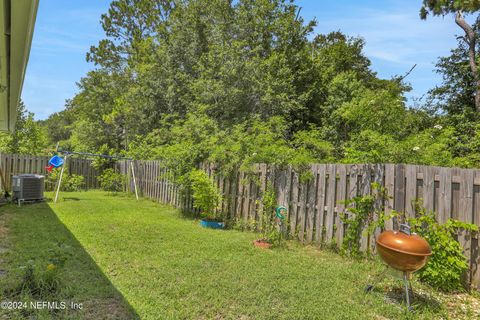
<point x="271" y="227"/>
<point x="59" y="254"/>
<point x="362" y="216"/>
<point x="42" y="280"/>
<point x="111" y="181"/>
<point x="206" y="195"/>
<point x="39" y="282"/>
<point x="447" y="263"/>
<point x="241" y="224"/>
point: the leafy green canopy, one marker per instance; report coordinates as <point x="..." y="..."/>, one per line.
<point x="244" y="82"/>
<point x="443" y="7"/>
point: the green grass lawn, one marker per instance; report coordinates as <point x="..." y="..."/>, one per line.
<point x="127" y="259"/>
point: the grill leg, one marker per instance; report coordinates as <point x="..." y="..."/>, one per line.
<point x="411" y="290"/>
<point x="407" y="296"/>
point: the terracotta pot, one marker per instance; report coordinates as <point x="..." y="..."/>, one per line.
<point x="403" y="251"/>
<point x="262" y="244"/>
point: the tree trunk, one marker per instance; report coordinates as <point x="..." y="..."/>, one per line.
<point x="470" y="39"/>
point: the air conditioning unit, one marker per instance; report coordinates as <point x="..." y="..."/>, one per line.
<point x="28" y="187"/>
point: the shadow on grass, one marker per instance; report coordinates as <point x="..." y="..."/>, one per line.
<point x="188" y="215"/>
<point x="420" y="301"/>
<point x="71" y="199"/>
<point x="60" y="269"/>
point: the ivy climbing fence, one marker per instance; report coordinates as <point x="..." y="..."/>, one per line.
<point x="315" y="205"/>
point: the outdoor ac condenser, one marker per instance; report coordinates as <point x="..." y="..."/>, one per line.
<point x="28" y="187"/>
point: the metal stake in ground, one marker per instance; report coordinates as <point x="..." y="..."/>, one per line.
<point x="60" y="178"/>
<point x="134" y="181"/>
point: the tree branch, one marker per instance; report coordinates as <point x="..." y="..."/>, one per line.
<point x="460" y="21"/>
<point x="406" y="74"/>
<point x="470" y="40"/>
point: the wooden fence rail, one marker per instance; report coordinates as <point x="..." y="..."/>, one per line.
<point x="13" y="164"/>
<point x="315" y="205"/>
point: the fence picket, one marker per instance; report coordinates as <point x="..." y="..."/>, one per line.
<point x="378" y="179"/>
<point x="428" y="187"/>
<point x="466" y="212"/>
<point x="294" y="203"/>
<point x="310" y="207"/>
<point x="341" y="197"/>
<point x="410" y="190"/>
<point x="365" y="189"/>
<point x="320" y="203"/>
<point x="301" y="212"/>
<point x="331" y="190"/>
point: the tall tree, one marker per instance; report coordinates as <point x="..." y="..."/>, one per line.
<point x="453" y="96"/>
<point x="459" y="8"/>
<point x="126" y="24"/>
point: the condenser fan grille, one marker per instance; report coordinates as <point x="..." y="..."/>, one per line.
<point x="28" y="187"/>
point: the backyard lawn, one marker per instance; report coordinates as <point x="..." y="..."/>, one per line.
<point x="123" y="259"/>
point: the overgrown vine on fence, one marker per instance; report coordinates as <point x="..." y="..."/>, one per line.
<point x="271" y="231"/>
<point x="362" y="216"/>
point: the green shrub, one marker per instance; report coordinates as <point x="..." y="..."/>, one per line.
<point x="73" y="183"/>
<point x="447" y="263"/>
<point x="206" y="195"/>
<point x="111" y="181"/>
<point x="70" y="182"/>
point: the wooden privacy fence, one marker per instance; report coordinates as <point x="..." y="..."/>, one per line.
<point x="315" y="205"/>
<point x="13" y="164"/>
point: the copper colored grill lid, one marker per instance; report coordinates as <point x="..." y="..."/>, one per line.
<point x="402" y="242"/>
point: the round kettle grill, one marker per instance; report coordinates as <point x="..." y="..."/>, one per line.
<point x="404" y="251"/>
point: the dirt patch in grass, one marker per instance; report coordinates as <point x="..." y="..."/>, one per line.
<point x="106" y="309"/>
<point x="4" y="218"/>
<point x="461" y="305"/>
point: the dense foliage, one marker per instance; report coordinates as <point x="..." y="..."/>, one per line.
<point x="247" y="81"/>
<point x="206" y="195"/>
<point x="70" y="182"/>
<point x="447" y="264"/>
<point x="112" y="181"/>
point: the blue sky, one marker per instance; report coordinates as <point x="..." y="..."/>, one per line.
<point x="395" y="38"/>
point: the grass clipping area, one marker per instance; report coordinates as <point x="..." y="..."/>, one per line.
<point x="123" y="259"/>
